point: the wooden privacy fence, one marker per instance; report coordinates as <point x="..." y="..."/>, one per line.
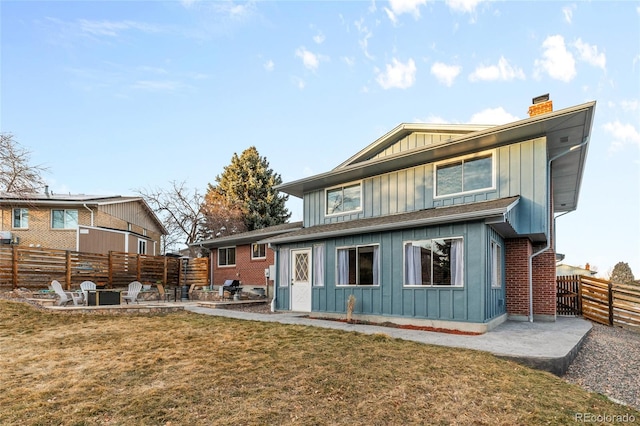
<point x="599" y="300"/>
<point x="35" y="268"/>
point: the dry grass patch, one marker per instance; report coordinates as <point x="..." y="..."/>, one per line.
<point x="192" y="369"/>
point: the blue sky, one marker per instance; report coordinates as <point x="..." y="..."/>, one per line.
<point x="118" y="95"/>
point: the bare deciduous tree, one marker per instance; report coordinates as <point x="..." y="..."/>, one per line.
<point x="17" y="175"/>
<point x="181" y="212"/>
<point x="221" y="219"/>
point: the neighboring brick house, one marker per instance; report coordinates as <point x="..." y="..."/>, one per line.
<point x="439" y="225"/>
<point x="85" y="223"/>
<point x="242" y="257"/>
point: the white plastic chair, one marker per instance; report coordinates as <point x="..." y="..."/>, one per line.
<point x="65" y="296"/>
<point x="132" y="292"/>
<point x="85" y="287"/>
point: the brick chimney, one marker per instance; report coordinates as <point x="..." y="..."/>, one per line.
<point x="587" y="266"/>
<point x="541" y="105"/>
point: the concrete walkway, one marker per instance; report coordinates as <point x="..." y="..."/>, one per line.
<point x="549" y="346"/>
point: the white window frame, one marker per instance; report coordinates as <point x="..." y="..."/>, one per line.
<point x="227" y="265"/>
<point x="253" y="257"/>
<point x="24" y="218"/>
<point x="142" y="246"/>
<point x="430" y="240"/>
<point x="463" y="159"/>
<point x="343" y="212"/>
<point x="495" y="264"/>
<point x="64" y="216"/>
<point x="357" y="284"/>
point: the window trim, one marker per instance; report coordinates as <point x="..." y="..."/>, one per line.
<point x="452" y="286"/>
<point x="258" y="257"/>
<point x="343" y="186"/>
<point x="357" y="284"/>
<point x="23" y="212"/>
<point x="64" y="215"/>
<point x="463" y="159"/>
<point x="229" y="265"/>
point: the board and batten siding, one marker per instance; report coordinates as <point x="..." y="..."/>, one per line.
<point x="521" y="169"/>
<point x="469" y="303"/>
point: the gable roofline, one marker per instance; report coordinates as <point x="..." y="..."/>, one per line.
<point x="562" y="128"/>
<point x="495" y="212"/>
<point x="76" y="200"/>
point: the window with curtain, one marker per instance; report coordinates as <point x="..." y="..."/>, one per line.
<point x="318" y="265"/>
<point x="21" y="218"/>
<point x="358" y="265"/>
<point x="435" y="262"/>
<point x="64" y="219"/>
<point x="258" y="251"/>
<point x="496" y="265"/>
<point x="464" y="175"/>
<point x="283" y="267"/>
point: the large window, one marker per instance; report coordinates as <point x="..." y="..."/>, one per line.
<point x="344" y="199"/>
<point x="434" y="262"/>
<point x="227" y="256"/>
<point x="358" y="265"/>
<point x="496" y="265"/>
<point x="258" y="251"/>
<point x="21" y="218"/>
<point x="464" y="175"/>
<point x="64" y="219"/>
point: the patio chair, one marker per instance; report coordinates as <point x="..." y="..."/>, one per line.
<point x="65" y="297"/>
<point x="85" y="286"/>
<point x="163" y="295"/>
<point x="131" y="294"/>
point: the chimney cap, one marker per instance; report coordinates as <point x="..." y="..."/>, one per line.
<point x="540" y="99"/>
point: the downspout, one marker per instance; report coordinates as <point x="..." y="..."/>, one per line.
<point x="548" y="245"/>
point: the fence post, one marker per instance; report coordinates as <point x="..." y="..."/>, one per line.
<point x="14" y="267"/>
<point x="610" y="304"/>
<point x="68" y="269"/>
<point x="110" y="279"/>
<point x="165" y="272"/>
<point x="138" y="266"/>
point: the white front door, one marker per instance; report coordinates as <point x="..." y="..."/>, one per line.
<point x="301" y="280"/>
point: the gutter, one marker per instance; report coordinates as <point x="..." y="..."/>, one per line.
<point x="548" y="245"/>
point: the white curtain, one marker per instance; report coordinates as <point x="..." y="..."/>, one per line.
<point x="318" y="263"/>
<point x="413" y="271"/>
<point x="376" y="266"/>
<point x="343" y="266"/>
<point x="457" y="261"/>
<point x="284" y="267"/>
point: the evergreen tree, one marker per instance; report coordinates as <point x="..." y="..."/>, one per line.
<point x="248" y="184"/>
<point x="622" y="274"/>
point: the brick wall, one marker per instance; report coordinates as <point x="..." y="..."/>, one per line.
<point x="517" y="252"/>
<point x="250" y="272"/>
<point x="544" y="283"/>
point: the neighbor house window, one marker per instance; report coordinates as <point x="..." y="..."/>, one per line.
<point x="258" y="251"/>
<point x="344" y="199"/>
<point x="21" y="218"/>
<point x="358" y="265"/>
<point x="142" y="247"/>
<point x="434" y="262"/>
<point x="464" y="175"/>
<point x="64" y="219"/>
<point x="227" y="256"/>
<point x="496" y="265"/>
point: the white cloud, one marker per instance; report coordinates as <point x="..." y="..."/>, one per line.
<point x="399" y="7"/>
<point x="309" y="59"/>
<point x="298" y="82"/>
<point x="114" y="28"/>
<point x="269" y="65"/>
<point x="433" y="119"/>
<point x="319" y="38"/>
<point x="556" y="61"/>
<point x="366" y="35"/>
<point x="623" y="134"/>
<point x="398" y="75"/>
<point x="464" y="6"/>
<point x="629" y="105"/>
<point x="589" y="53"/>
<point x="349" y="61"/>
<point x="492" y="116"/>
<point x="502" y="71"/>
<point x="445" y="74"/>
<point x="567" y="11"/>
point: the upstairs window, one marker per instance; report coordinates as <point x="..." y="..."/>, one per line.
<point x="64" y="219"/>
<point x="258" y="251"/>
<point x="227" y="256"/>
<point x="21" y="218"/>
<point x="464" y="175"/>
<point x="344" y="199"/>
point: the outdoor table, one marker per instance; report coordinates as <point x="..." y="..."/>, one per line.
<point x="104" y="297"/>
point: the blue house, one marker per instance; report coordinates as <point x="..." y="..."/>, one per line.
<point x="444" y="226"/>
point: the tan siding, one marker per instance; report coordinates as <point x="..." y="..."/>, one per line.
<point x="100" y="241"/>
<point x="132" y="212"/>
